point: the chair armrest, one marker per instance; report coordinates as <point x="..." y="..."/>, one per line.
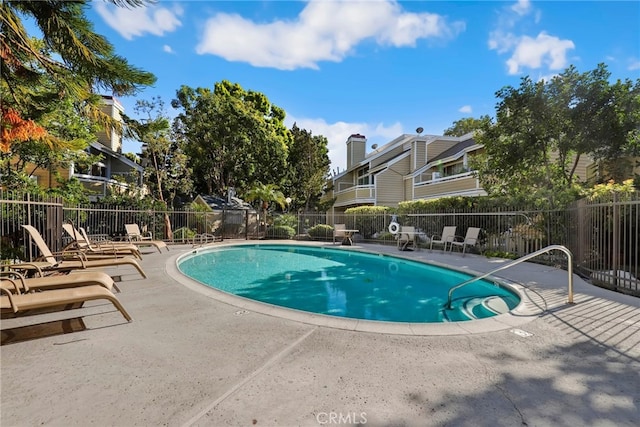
<point x="14" y="307"/>
<point x="27" y="265"/>
<point x="13" y="282"/>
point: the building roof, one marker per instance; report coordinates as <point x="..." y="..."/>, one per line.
<point x="219" y="203"/>
<point x="458" y="148"/>
<point x="121" y="157"/>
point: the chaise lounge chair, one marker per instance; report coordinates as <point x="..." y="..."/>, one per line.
<point x="447" y="236"/>
<point x="407" y="238"/>
<point x="23" y="301"/>
<point x="135" y="236"/>
<point x="470" y="239"/>
<point x="49" y="262"/>
<point x="94" y="250"/>
<point x="16" y="281"/>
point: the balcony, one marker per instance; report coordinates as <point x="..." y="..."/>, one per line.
<point x="355" y="195"/>
<point x="463" y="184"/>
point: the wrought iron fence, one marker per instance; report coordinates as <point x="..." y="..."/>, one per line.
<point x="602" y="234"/>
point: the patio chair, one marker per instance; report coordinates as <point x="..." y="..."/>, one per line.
<point x="470" y="239"/>
<point x="20" y="302"/>
<point x="48" y="262"/>
<point x="407" y="238"/>
<point x="448" y="233"/>
<point x="14" y="280"/>
<point x="135" y="236"/>
<point x="339" y="231"/>
<point x="111" y="249"/>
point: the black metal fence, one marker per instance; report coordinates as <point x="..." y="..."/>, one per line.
<point x="602" y="234"/>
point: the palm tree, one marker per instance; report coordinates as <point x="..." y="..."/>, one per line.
<point x="68" y="55"/>
<point x="266" y="193"/>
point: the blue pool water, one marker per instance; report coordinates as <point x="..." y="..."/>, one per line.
<point x="345" y="283"/>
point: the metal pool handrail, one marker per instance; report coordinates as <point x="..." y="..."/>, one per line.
<point x="518" y="261"/>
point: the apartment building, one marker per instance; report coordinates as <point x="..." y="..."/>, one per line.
<point x="114" y="172"/>
<point x="412" y="167"/>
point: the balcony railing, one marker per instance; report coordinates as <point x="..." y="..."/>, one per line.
<point x="445" y="178"/>
<point x="355" y="194"/>
<point x="454" y="185"/>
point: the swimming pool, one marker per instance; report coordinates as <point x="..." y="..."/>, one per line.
<point x="345" y="283"/>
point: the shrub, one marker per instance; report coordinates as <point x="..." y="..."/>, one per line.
<point x="289" y="220"/>
<point x="321" y="231"/>
<point x="368" y="219"/>
<point x="182" y="234"/>
<point x="280" y="232"/>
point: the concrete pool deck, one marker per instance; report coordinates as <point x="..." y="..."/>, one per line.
<point x="190" y="359"/>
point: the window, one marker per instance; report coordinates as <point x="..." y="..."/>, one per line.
<point x="454" y="169"/>
<point x="363" y="176"/>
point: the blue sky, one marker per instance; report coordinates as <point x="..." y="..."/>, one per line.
<point x="378" y="68"/>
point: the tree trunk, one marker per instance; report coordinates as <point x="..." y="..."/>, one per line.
<point x="167" y="226"/>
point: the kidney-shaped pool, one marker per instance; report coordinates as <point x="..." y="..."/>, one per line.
<point x="346" y="283"/>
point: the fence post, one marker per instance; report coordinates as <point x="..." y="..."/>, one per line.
<point x="615" y="240"/>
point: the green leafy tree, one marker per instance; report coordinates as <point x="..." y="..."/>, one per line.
<point x="77" y="59"/>
<point x="599" y="118"/>
<point x="50" y="79"/>
<point x="308" y="168"/>
<point x="235" y="137"/>
<point x="542" y="129"/>
<point x="166" y="172"/>
<point x="466" y="125"/>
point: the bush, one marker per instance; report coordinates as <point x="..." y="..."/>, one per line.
<point x="321" y="231"/>
<point x="289" y="220"/>
<point x="280" y="232"/>
<point x="369" y="219"/>
<point x="182" y="234"/>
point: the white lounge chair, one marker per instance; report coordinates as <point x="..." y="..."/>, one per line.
<point x="470" y="239"/>
<point x="448" y="233"/>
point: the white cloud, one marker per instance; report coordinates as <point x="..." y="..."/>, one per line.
<point x="338" y="132"/>
<point x="323" y="31"/>
<point x="547" y="77"/>
<point x="546" y="50"/>
<point x="167" y="48"/>
<point x="634" y="64"/>
<point x="135" y="22"/>
<point x="522" y="7"/>
<point x="466" y="109"/>
<point x="543" y="51"/>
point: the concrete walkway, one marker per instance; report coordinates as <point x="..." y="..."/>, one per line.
<point x="188" y="359"/>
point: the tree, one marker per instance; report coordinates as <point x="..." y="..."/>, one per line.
<point x="77" y="59"/>
<point x="466" y="125"/>
<point x="165" y="171"/>
<point x="235" y="137"/>
<point x="50" y="80"/>
<point x="542" y="129"/>
<point x="265" y="194"/>
<point x="308" y="168"/>
<point x="600" y="119"/>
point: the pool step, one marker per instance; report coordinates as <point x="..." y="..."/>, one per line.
<point x="477" y="308"/>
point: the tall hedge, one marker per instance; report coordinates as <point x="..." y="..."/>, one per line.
<point x="369" y="220"/>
